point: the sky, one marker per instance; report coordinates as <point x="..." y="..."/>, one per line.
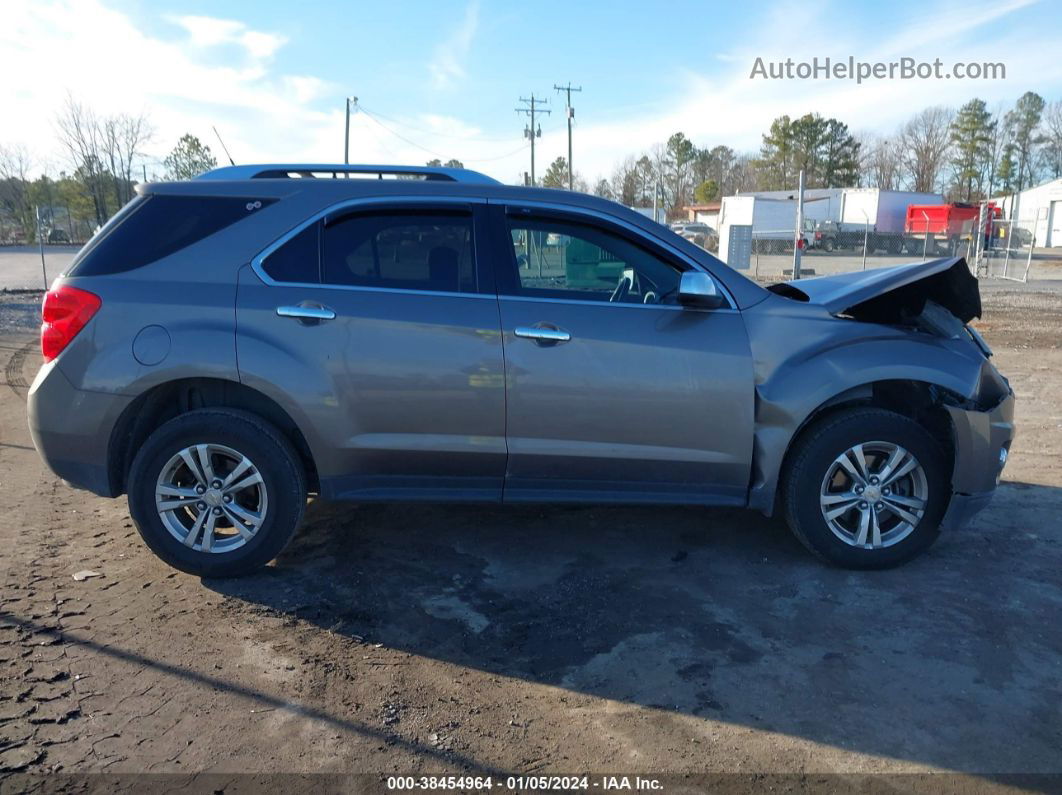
<point x="444" y="79"/>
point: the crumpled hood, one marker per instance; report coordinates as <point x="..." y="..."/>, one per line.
<point x="892" y="294"/>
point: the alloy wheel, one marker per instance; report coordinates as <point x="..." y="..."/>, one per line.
<point x="211" y="498"/>
<point x="874" y="495"/>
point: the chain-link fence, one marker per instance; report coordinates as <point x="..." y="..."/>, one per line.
<point x="35" y="252"/>
<point x="59" y="226"/>
<point x="1006" y="248"/>
<point x="758" y="234"/>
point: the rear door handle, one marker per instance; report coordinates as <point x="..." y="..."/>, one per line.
<point x="539" y="334"/>
<point x="306" y="312"/>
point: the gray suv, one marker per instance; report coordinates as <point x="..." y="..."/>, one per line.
<point x="226" y="346"/>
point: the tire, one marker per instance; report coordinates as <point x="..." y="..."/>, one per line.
<point x="828" y="244"/>
<point x="278" y="502"/>
<point x="815" y="455"/>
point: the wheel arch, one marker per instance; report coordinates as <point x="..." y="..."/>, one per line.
<point x="922" y="401"/>
<point x="173" y="398"/>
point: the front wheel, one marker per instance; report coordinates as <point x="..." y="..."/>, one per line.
<point x="866" y="489"/>
<point x="216" y="492"/>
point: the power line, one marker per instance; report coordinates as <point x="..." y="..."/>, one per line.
<point x="531" y="132"/>
<point x="569" y="111"/>
<point x="435" y="133"/>
<point x="431" y="152"/>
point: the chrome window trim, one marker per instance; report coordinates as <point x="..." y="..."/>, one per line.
<point x="584" y="302"/>
<point x="367" y="202"/>
<point x="370" y="201"/>
<point x="572" y="210"/>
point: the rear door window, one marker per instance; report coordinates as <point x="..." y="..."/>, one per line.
<point x="411" y="250"/>
<point x="159" y="225"/>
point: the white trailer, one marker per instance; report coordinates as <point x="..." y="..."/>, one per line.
<point x="771" y="221"/>
<point x="820" y="204"/>
<point x="848" y="213"/>
<point x="884" y="210"/>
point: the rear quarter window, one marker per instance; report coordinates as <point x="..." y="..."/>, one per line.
<point x="156" y="226"/>
<point x="296" y="261"/>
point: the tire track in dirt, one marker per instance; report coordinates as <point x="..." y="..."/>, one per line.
<point x="13" y="370"/>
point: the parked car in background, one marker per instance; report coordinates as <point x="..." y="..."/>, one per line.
<point x="698" y="233"/>
<point x="832" y="235"/>
<point x="237" y="342"/>
<point x="58" y="236"/>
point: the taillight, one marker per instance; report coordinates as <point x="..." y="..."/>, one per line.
<point x="818" y="235"/>
<point x="66" y="310"/>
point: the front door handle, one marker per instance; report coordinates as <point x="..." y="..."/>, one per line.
<point x="542" y="335"/>
<point x="306" y="312"/>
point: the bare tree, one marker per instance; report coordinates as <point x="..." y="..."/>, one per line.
<point x="1052" y="150"/>
<point x="881" y="164"/>
<point x="79" y="133"/>
<point x="123" y="137"/>
<point x="624" y="182"/>
<point x="102" y="152"/>
<point x="15" y="165"/>
<point x="924" y="141"/>
<point x="744" y="175"/>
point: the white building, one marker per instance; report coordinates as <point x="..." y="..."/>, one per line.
<point x="1039" y="210"/>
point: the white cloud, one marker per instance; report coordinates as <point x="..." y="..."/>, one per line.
<point x="729" y="108"/>
<point x="99" y="56"/>
<point x="211" y="31"/>
<point x="206" y="71"/>
<point x="448" y="65"/>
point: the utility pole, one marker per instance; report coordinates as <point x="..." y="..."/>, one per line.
<point x="532" y="132"/>
<point x="40" y="245"/>
<point x="798" y="236"/>
<point x="570" y="112"/>
<point x="346" y="132"/>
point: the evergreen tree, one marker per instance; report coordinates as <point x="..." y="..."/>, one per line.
<point x="556" y="175"/>
<point x="971" y="144"/>
<point x="1024" y="122"/>
<point x="189" y="158"/>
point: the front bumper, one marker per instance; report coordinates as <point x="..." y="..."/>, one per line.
<point x="71" y="429"/>
<point x="980" y="439"/>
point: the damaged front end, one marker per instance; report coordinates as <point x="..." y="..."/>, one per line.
<point x="939" y="297"/>
<point x="906" y="346"/>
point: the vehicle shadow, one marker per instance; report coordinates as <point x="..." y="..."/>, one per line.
<point x="949" y="661"/>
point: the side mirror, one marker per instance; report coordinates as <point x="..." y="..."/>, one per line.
<point x="698" y="290"/>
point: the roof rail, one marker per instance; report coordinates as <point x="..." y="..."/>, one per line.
<point x="335" y="171"/>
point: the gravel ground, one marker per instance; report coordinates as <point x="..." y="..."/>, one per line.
<point x="20" y="310"/>
<point x="424" y="639"/>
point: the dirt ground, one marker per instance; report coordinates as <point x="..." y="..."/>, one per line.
<point x="416" y="639"/>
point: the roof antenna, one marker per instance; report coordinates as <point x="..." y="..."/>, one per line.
<point x="215" y="129"/>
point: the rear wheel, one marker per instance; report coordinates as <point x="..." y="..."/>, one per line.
<point x="216" y="492"/>
<point x="866" y="489"/>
